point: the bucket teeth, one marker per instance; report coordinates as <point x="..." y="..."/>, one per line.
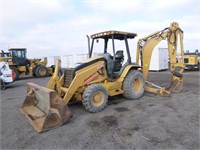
<point x="44" y="108"/>
<point x="176" y="85"/>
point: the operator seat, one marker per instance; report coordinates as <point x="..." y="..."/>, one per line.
<point x="119" y="58"/>
<point x="119" y="54"/>
<point x="109" y="63"/>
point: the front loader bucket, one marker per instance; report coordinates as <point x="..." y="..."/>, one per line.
<point x="176" y="84"/>
<point x="44" y="108"/>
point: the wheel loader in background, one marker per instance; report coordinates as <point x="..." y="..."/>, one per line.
<point x="91" y="81"/>
<point x="18" y="62"/>
<point x="192" y="60"/>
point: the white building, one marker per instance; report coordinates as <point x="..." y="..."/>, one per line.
<point x="159" y="59"/>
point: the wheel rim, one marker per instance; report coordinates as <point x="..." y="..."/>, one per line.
<point x="42" y="71"/>
<point x="98" y="98"/>
<point x="137" y="85"/>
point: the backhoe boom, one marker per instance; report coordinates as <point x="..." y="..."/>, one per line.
<point x="145" y="47"/>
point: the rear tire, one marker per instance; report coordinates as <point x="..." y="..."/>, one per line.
<point x="16" y="73"/>
<point x="41" y="71"/>
<point x="95" y="98"/>
<point x="133" y="85"/>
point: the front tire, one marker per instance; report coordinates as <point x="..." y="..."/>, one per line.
<point x="41" y="71"/>
<point x="95" y="98"/>
<point x="133" y="85"/>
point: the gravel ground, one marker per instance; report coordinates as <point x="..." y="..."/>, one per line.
<point x="152" y="122"/>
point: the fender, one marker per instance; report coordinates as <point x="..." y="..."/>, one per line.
<point x="126" y="69"/>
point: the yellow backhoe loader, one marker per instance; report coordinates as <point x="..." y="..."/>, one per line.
<point x="90" y="81"/>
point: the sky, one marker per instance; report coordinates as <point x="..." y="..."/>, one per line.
<point x="59" y="27"/>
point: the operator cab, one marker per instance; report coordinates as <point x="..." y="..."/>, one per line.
<point x="19" y="56"/>
<point x="18" y="52"/>
<point x="114" y="62"/>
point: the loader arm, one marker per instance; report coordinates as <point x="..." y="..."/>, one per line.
<point x="145" y="47"/>
<point x="57" y="83"/>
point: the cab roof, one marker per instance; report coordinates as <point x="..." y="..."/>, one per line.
<point x="17" y="49"/>
<point x="117" y="35"/>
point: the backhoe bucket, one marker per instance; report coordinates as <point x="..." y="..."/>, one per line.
<point x="44" y="108"/>
<point x="176" y="84"/>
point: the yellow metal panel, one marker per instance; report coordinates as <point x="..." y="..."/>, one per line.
<point x="80" y="77"/>
<point x="113" y="88"/>
<point x="91" y="59"/>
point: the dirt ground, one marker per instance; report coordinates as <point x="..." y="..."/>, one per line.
<point x="152" y="122"/>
